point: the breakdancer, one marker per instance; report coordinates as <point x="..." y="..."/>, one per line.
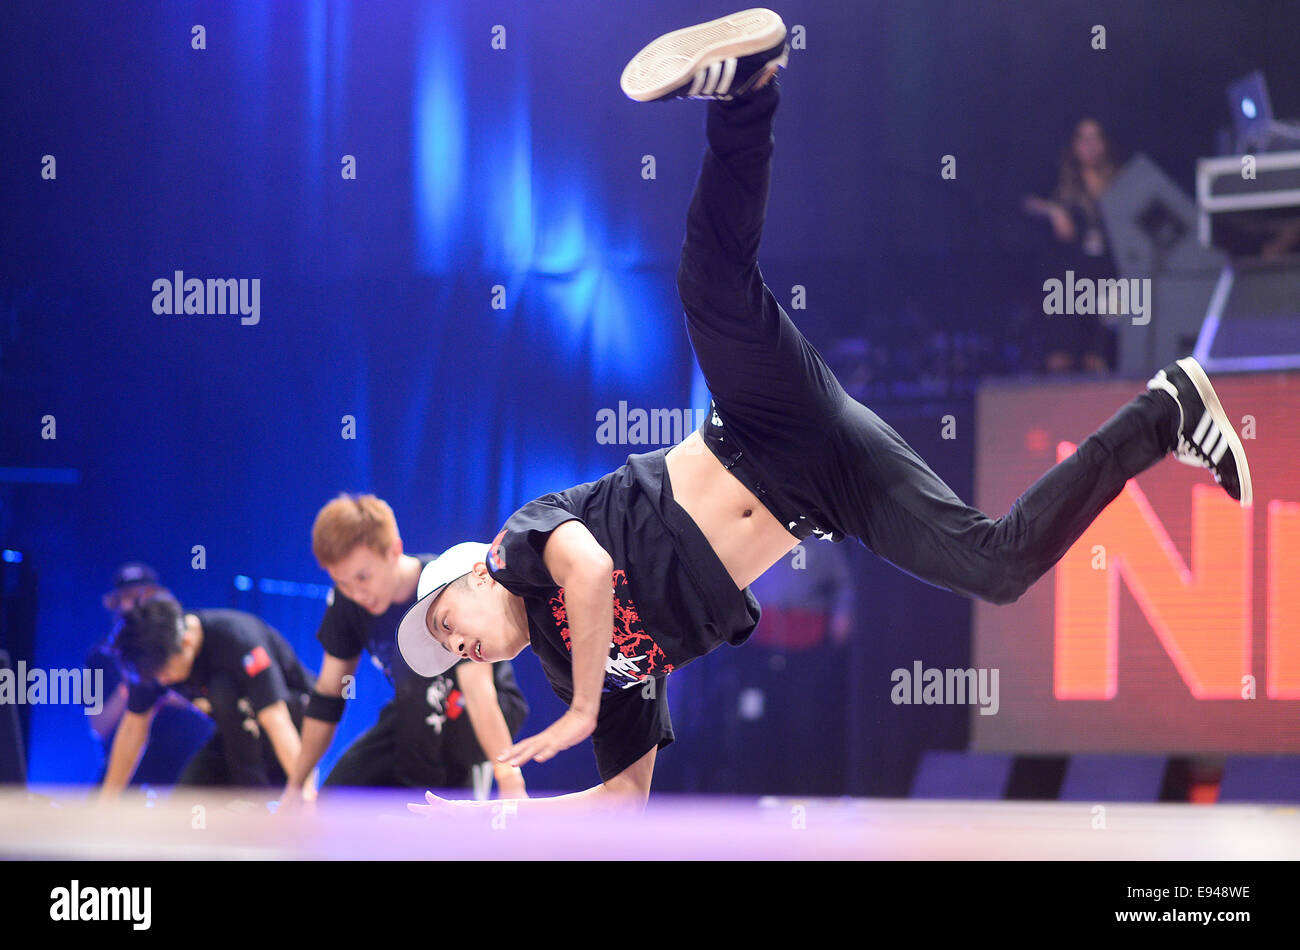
<point x="433" y="731"/>
<point x="618" y="582"/>
<point x="232" y="666"/>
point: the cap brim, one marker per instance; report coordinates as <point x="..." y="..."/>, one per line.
<point x="422" y="653"/>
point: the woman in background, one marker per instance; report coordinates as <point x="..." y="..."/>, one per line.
<point x="1087" y="169"/>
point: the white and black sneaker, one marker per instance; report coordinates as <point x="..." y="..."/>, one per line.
<point x="1206" y="437"/>
<point x="720" y="59"/>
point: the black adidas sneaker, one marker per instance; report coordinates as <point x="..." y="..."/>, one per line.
<point x="721" y="59"/>
<point x="1206" y="437"/>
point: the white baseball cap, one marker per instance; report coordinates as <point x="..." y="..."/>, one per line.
<point x="422" y="653"/>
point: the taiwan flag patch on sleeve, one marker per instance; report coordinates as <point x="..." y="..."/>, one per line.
<point x="256" y="661"/>
<point x="497" y="557"/>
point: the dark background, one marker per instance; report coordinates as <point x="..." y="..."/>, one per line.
<point x="519" y="167"/>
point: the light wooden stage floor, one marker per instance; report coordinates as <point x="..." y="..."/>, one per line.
<point x="54" y="823"/>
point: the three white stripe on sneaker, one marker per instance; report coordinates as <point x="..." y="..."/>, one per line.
<point x="715" y="80"/>
<point x="1209" y="438"/>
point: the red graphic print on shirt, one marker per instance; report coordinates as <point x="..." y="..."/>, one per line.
<point x="633" y="656"/>
<point x="256" y="661"/>
<point x="455" y="704"/>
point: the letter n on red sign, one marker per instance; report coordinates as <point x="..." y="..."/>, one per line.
<point x="1201" y="614"/>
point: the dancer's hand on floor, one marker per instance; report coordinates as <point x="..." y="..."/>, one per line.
<point x="439" y="807"/>
<point x="510" y="781"/>
<point x="565" y="732"/>
<point x="291" y="798"/>
<point x="296" y="798"/>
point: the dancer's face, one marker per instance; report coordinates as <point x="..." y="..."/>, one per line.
<point x="368" y="577"/>
<point x="470" y="618"/>
<point x="179" y="665"/>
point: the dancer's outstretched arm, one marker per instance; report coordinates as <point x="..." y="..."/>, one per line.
<point x="627" y="791"/>
<point x="577" y="563"/>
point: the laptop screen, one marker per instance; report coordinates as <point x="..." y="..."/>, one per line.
<point x="1248" y="99"/>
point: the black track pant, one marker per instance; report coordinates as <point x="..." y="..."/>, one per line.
<point x="824" y="455"/>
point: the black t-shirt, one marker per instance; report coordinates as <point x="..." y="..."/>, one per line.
<point x="348" y="628"/>
<point x="435" y="744"/>
<point x="243" y="666"/>
<point x="673" y="599"/>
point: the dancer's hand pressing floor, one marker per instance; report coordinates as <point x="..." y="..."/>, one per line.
<point x="564" y="733"/>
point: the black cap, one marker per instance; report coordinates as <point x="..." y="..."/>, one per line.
<point x="132" y="573"/>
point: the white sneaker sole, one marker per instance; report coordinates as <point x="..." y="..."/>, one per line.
<point x="672" y="59"/>
<point x="1220" y="419"/>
